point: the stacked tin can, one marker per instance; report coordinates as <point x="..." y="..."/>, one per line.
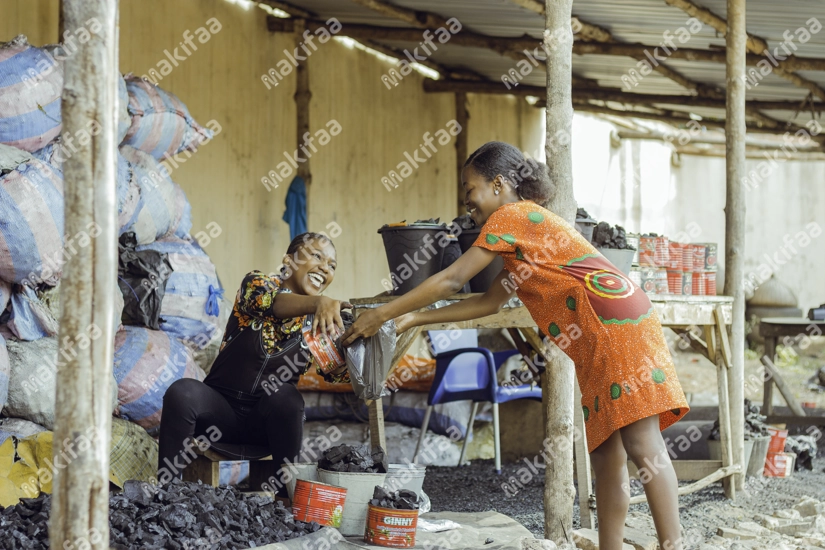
<point x="654" y="258"/>
<point x="705" y="266"/>
<point x="680" y="269"/>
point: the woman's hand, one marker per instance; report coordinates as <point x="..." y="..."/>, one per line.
<point x="365" y="326"/>
<point x="405" y="322"/>
<point x="328" y="314"/>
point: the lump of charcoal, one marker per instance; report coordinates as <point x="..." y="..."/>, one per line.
<point x="138" y="492"/>
<point x="380" y="493"/>
<point x="602" y="234"/>
<point x="581" y="213"/>
<point x="176" y="516"/>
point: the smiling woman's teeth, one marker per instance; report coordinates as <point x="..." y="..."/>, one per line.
<point x="316" y="280"/>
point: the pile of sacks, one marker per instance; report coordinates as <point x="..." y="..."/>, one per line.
<point x="154" y="217"/>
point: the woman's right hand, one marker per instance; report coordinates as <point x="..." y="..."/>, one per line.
<point x="328" y="314"/>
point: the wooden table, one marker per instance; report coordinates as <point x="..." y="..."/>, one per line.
<point x="792" y="330"/>
<point x="702" y="320"/>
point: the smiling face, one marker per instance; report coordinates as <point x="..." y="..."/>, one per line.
<point x="480" y="197"/>
<point x="312" y="267"/>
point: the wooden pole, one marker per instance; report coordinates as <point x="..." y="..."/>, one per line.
<point x="80" y="503"/>
<point x="735" y="131"/>
<point x="302" y="98"/>
<point x="558" y="379"/>
<point x="462" y="116"/>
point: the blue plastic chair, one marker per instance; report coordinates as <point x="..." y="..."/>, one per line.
<point x="469" y="373"/>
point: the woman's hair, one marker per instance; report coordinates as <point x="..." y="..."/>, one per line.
<point x="301" y="240"/>
<point x="529" y="177"/>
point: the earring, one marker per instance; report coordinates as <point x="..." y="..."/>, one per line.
<point x="496" y="191"/>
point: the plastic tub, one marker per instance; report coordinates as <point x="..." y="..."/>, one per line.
<point x="482" y="281"/>
<point x="319" y="502"/>
<point x="621" y="258"/>
<point x="778" y="437"/>
<point x="406" y="476"/>
<point x="360" y="488"/>
<point x="390" y="528"/>
<point x="300" y="470"/>
<point x="413" y="254"/>
<point x="715" y="450"/>
<point x="756" y="465"/>
<point x="779" y="464"/>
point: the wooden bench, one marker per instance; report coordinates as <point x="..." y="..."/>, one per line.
<point x="207" y="464"/>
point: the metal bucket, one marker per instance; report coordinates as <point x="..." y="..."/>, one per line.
<point x="360" y="488"/>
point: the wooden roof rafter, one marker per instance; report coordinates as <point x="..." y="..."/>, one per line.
<point x="755" y="45"/>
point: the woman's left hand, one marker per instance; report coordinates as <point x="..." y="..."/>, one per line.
<point x="367" y="324"/>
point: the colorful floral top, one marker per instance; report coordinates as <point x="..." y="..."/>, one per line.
<point x="253" y="308"/>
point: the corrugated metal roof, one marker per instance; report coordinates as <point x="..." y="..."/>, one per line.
<point x="634" y="21"/>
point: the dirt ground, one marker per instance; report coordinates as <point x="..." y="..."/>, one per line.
<point x="477" y="488"/>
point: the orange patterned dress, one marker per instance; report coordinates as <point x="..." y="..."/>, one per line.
<point x="594" y="313"/>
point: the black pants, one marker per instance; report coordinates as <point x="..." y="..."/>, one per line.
<point x="191" y="409"/>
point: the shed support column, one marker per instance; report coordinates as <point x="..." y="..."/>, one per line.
<point x="80" y="503"/>
<point x="736" y="41"/>
<point x="461" y="153"/>
<point x="302" y="97"/>
<point x="558" y="379"/>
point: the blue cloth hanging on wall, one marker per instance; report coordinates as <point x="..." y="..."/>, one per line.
<point x="296" y="207"/>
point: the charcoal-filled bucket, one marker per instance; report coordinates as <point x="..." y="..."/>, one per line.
<point x="319" y="502"/>
<point x="413" y="254"/>
<point x="360" y="488"/>
<point x="390" y="528"/>
<point x="405" y="476"/>
<point x="308" y="471"/>
<point x="585" y="227"/>
<point x="482" y="281"/>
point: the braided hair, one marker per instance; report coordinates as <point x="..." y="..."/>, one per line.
<point x="529" y="177"/>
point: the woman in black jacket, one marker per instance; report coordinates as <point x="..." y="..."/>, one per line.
<point x="249" y="395"/>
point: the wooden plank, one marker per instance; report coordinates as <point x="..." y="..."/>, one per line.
<point x="710" y="341"/>
<point x="770" y="355"/>
<point x="790" y="326"/>
<point x="795" y="420"/>
<point x="722" y="473"/>
<point x="582" y="457"/>
<point x="724" y="343"/>
<point x="783" y="387"/>
<point x="724" y="427"/>
<point x="378" y="437"/>
<point x="687" y="470"/>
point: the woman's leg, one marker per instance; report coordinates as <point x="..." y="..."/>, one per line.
<point x="646" y="448"/>
<point x="277" y="420"/>
<point x="609" y="462"/>
<point x="191" y="408"/>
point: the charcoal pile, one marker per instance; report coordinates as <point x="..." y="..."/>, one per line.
<point x="177" y="515"/>
<point x="403" y="499"/>
<point x="581" y="214"/>
<point x="754" y="423"/>
<point x="464" y="222"/>
<point x="354" y="458"/>
<point x="607" y="236"/>
<point x="805" y="448"/>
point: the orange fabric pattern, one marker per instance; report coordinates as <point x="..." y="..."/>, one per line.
<point x="412" y="374"/>
<point x="594" y="313"/>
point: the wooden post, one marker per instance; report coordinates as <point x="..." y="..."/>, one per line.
<point x="735" y="131"/>
<point x="558" y="380"/>
<point x="461" y="153"/>
<point x="80" y="503"/>
<point x="584" y="479"/>
<point x="302" y="97"/>
<point x="770" y="354"/>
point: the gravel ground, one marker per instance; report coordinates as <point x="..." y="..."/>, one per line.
<point x="476" y="488"/>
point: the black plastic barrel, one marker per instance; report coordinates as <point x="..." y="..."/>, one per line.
<point x="485" y="278"/>
<point x="412" y="257"/>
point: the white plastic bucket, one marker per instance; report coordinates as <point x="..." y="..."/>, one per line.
<point x="300" y="470"/>
<point x="360" y="488"/>
<point x="406" y="476"/>
<point x="715" y="450"/>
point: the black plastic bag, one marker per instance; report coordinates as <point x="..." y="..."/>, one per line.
<point x="369" y="362"/>
<point x="142" y="277"/>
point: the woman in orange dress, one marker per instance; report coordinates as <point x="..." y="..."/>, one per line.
<point x="584" y="304"/>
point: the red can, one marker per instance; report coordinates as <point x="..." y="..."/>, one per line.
<point x="325" y="348"/>
<point x="318" y="502"/>
<point x="699" y="284"/>
<point x="661" y="255"/>
<point x="710" y="283"/>
<point x="679" y="282"/>
<point x="675" y="251"/>
<point x="699" y="253"/>
<point x="391" y="528"/>
<point x="647" y="251"/>
<point x="711" y="256"/>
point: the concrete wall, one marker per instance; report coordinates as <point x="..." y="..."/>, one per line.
<point x="221" y="81"/>
<point x="638" y="186"/>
